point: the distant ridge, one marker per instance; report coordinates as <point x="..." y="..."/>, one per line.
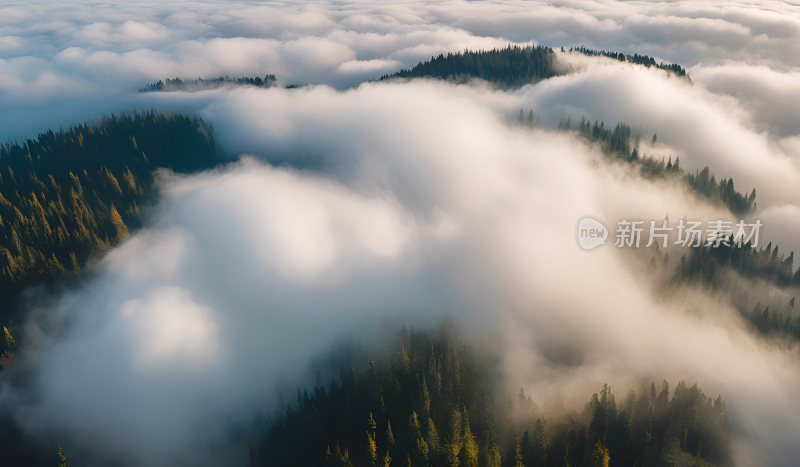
<point x="513" y="66"/>
<point x="200" y="84"/>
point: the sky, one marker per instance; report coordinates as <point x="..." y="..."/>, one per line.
<point x="401" y="200"/>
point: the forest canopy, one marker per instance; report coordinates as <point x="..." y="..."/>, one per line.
<point x="425" y="402"/>
<point x="512" y="66"/>
<point x="67" y="195"/>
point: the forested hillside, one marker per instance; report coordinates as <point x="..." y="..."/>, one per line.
<point x="763" y="268"/>
<point x="619" y="144"/>
<point x="512" y="66"/>
<point x="70" y="194"/>
<point x="715" y="268"/>
<point x="757" y="281"/>
<point x="425" y="403"/>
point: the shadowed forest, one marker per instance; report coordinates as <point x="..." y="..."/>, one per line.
<point x="424" y="402"/>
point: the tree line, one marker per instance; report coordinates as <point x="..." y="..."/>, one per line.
<point x="426" y="403"/>
<point x="643" y="60"/>
<point x="620" y="145"/>
<point x="201" y="84"/>
<point x="723" y="268"/>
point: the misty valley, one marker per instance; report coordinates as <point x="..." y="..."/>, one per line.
<point x="263" y="236"/>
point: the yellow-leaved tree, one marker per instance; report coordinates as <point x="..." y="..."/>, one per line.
<point x="119" y="226"/>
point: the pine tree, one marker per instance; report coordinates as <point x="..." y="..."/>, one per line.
<point x="371" y="425"/>
<point x="526" y="449"/>
<point x="470" y="452"/>
<point x="517" y="452"/>
<point x="337" y="458"/>
<point x="565" y="460"/>
<point x="419" y="447"/>
<point x="491" y="453"/>
<point x="432" y="438"/>
<point x="539" y="443"/>
<point x="74" y="263"/>
<point x="453" y="444"/>
<point x="598" y="457"/>
<point x="119" y="226"/>
<point x="372" y="450"/>
<point x="16" y="241"/>
<point x="425" y="397"/>
<point x="403" y="361"/>
<point x="62" y="458"/>
<point x="391" y="446"/>
<point x="11" y="343"/>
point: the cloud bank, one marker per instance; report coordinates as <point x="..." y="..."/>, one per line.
<point x="402" y="200"/>
<point x="416" y="200"/>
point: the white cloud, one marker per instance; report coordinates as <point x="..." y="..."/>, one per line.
<point x="419" y="201"/>
<point x="414" y="200"/>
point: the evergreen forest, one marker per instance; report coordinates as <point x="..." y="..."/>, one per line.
<point x="68" y="195"/>
<point x="425" y="402"/>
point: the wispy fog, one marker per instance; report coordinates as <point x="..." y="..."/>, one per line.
<point x="403" y="200"/>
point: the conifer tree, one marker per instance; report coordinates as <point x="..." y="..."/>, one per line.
<point x="425" y="397"/>
<point x="419" y="447"/>
<point x="432" y="438"/>
<point x="491" y="453"/>
<point x="371" y="425"/>
<point x="337" y="458"/>
<point x="470" y="452"/>
<point x="598" y="456"/>
<point x="74" y="263"/>
<point x="391" y="445"/>
<point x="526" y="449"/>
<point x="119" y="226"/>
<point x="516" y="452"/>
<point x="453" y="444"/>
<point x="372" y="451"/>
<point x="63" y="459"/>
<point x="539" y="443"/>
<point x="11" y="343"/>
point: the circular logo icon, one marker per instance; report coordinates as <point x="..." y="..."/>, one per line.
<point x="590" y="233"/>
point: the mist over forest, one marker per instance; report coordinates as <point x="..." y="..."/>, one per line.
<point x="392" y="234"/>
